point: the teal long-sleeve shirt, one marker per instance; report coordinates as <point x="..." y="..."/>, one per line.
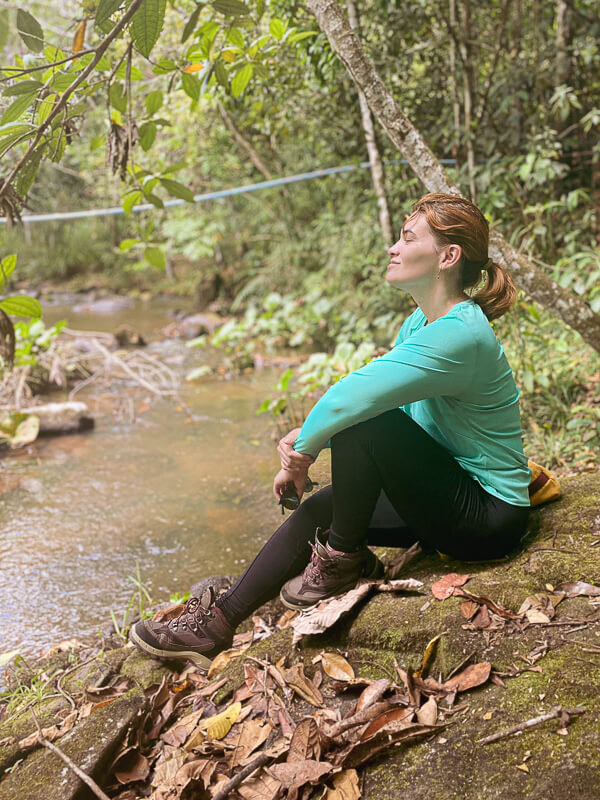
<point x="451" y="377"/>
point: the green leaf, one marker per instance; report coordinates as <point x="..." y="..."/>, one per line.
<point x="97" y="142"/>
<point x="26" y="175"/>
<point x="239" y="83"/>
<point x="58" y="145"/>
<point x="3" y="36"/>
<point x="7" y="266"/>
<point x="155" y="257"/>
<point x="17" y="129"/>
<point x="131" y="199"/>
<point x="105" y="10"/>
<point x="261" y="71"/>
<point x="277" y="28"/>
<point x="164" y="65"/>
<point x="154" y="199"/>
<point x="146" y="25"/>
<point x="30" y="31"/>
<point x="20" y="305"/>
<point x="127" y="244"/>
<point x="231" y="8"/>
<point x="17" y="108"/>
<point x="191" y="85"/>
<point x="177" y="189"/>
<point x="154" y="101"/>
<point x="23" y="87"/>
<point x="136" y="72"/>
<point x="118" y="97"/>
<point x="147" y="133"/>
<point x="199" y="372"/>
<point x="44" y="109"/>
<point x="221" y="74"/>
<point x="190" y="25"/>
<point x="62" y="82"/>
<point x="297" y="37"/>
<point x="236" y="37"/>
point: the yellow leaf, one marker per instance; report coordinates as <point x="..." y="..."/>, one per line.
<point x="191" y="68"/>
<point x="337" y="667"/>
<point x="428" y="655"/>
<point x="523" y="767"/>
<point x="488" y="715"/>
<point x="79" y="38"/>
<point x="219" y="726"/>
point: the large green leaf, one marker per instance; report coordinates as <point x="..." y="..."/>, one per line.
<point x="30" y="31"/>
<point x="131" y="198"/>
<point x="239" y="83"/>
<point x="190" y="25"/>
<point x="105" y="10"/>
<point x="146" y="25"/>
<point x="22" y="87"/>
<point x="177" y="189"/>
<point x="156" y="257"/>
<point x="21" y="305"/>
<point x="17" y="108"/>
<point x="16" y="130"/>
<point x="3" y="29"/>
<point x="147" y="133"/>
<point x="154" y="101"/>
<point x="231" y="8"/>
<point x="191" y="85"/>
<point x="26" y="176"/>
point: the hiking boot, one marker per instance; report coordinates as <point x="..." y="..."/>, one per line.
<point x="199" y="633"/>
<point x="328" y="573"/>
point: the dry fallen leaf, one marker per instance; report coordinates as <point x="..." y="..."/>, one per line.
<point x="345" y="786"/>
<point x="444" y="588"/>
<point x="428" y="654"/>
<point x="468" y="609"/>
<point x="247" y="737"/>
<point x="396" y="567"/>
<point x="401" y="717"/>
<point x="294" y="774"/>
<point x="51" y="733"/>
<point x="337" y="667"/>
<point x="372" y="694"/>
<point x="131" y="766"/>
<point x="302" y="685"/>
<point x="261" y="786"/>
<point x="540" y="607"/>
<point x="487" y="715"/>
<point x="576" y="588"/>
<point x="427" y="714"/>
<point x="216" y="727"/>
<point x="474" y="675"/>
<point x="306" y="742"/>
<point x="523" y="767"/>
<point x="487" y="601"/>
<point x="223" y="658"/>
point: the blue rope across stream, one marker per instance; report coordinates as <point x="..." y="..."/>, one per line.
<point x="201" y="198"/>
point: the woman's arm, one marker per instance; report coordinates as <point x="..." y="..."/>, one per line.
<point x="439" y="359"/>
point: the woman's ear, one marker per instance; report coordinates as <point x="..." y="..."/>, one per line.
<point x="451" y="255"/>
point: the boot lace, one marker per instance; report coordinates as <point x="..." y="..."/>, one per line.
<point x="193" y="616"/>
<point x="317" y="566"/>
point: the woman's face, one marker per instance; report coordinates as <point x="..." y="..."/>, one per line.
<point x="415" y="256"/>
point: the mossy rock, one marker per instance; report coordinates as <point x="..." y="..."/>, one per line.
<point x="90" y="745"/>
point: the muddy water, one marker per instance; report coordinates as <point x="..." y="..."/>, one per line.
<point x="181" y="497"/>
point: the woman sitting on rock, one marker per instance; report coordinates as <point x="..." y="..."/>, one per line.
<point x="425" y="444"/>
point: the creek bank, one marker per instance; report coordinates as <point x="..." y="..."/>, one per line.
<point x="540" y="763"/>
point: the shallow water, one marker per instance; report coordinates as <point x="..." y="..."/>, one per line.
<point x="182" y="498"/>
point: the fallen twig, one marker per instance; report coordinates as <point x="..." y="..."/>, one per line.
<point x="79" y="772"/>
<point x="232" y="784"/>
<point x="554" y="713"/>
<point x="457" y="669"/>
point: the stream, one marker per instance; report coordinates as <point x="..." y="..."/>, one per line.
<point x="181" y="498"/>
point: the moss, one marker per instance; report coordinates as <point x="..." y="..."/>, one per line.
<point x="143" y="670"/>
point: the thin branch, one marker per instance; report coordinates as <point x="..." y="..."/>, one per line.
<point x="79" y="772"/>
<point x="102" y="48"/>
<point x="232" y="784"/>
<point x="554" y="713"/>
<point x="16" y="73"/>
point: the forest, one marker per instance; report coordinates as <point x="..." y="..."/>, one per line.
<point x="224" y="179"/>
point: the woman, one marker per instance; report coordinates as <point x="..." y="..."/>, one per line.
<point x="425" y="444"/>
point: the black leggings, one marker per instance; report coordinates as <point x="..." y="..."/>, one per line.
<point x="392" y="485"/>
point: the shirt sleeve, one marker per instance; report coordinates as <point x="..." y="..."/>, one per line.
<point x="437" y="360"/>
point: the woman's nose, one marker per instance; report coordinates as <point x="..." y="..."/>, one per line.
<point x="393" y="250"/>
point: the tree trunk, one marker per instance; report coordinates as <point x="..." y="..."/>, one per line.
<point x="453" y="82"/>
<point x="563" y="43"/>
<point x="372" y="149"/>
<point x="241" y="140"/>
<point x="468" y="88"/>
<point x="573" y="311"/>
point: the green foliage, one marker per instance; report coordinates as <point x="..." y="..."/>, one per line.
<point x="32" y="338"/>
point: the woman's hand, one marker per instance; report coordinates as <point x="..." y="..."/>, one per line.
<point x="284" y="476"/>
<point x="290" y="459"/>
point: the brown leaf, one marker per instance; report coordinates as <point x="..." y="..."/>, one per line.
<point x="444" y="588"/>
<point x="483" y="600"/>
<point x="345" y="786"/>
<point x="337" y="667"/>
<point x="180" y="730"/>
<point x="201" y="768"/>
<point x="402" y="585"/>
<point x="428" y="654"/>
<point x="242" y="693"/>
<point x="359" y="752"/>
<point x="472" y="676"/>
<point x="540" y="607"/>
<point x="223" y="658"/>
<point x="306" y="742"/>
<point x="468" y="609"/>
<point x="407" y="679"/>
<point x="170" y="612"/>
<point x="427" y="714"/>
<point x="481" y="620"/>
<point x="262" y="786"/>
<point x="166" y="767"/>
<point x="402" y="717"/>
<point x="372" y="694"/>
<point x="285" y="619"/>
<point x="327" y="612"/>
<point x="296" y="773"/>
<point x="246" y="738"/>
<point x="398" y="564"/>
<point x="131" y="766"/>
<point x="51" y="733"/>
<point x="296" y="678"/>
<point x="286" y="723"/>
<point x="576" y="588"/>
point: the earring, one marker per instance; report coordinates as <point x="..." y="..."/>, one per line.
<point x="439" y="273"/>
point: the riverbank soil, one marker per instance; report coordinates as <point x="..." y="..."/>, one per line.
<point x="517" y="640"/>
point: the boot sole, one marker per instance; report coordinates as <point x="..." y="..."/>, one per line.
<point x="169" y="655"/>
<point x="375" y="574"/>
